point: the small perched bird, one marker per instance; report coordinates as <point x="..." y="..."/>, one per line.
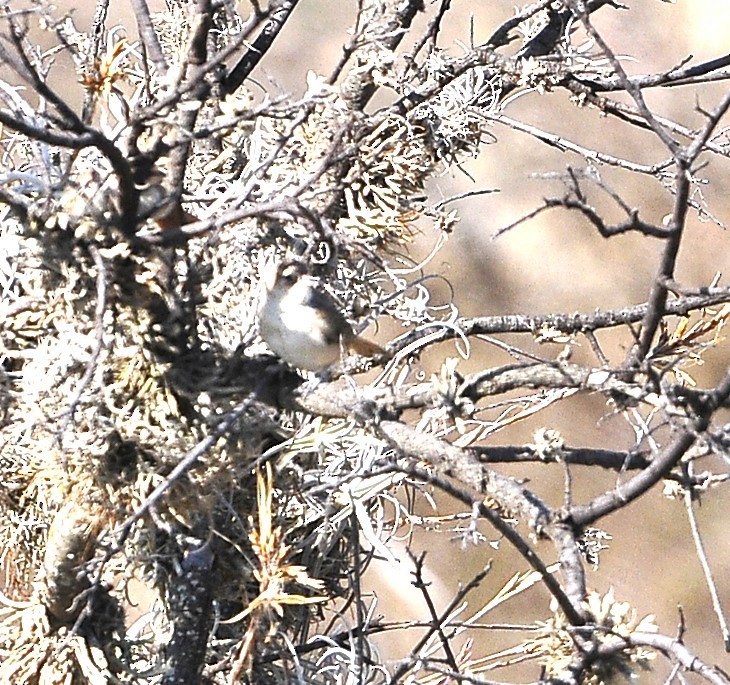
<point x="302" y="323"/>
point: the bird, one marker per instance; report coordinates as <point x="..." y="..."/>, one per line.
<point x="302" y="323"/>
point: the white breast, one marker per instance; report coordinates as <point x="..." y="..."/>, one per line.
<point x="293" y="330"/>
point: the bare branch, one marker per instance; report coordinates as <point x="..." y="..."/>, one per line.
<point x="148" y="35"/>
<point x="676" y="651"/>
<point x="660" y="466"/>
<point x="278" y="16"/>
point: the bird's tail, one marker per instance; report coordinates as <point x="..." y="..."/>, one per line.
<point x="365" y="348"/>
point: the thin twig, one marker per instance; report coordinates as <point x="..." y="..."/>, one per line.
<point x="702" y="556"/>
<point x="437" y="623"/>
<point x="660" y="466"/>
<point x="564" y="145"/>
<point x="629" y="86"/>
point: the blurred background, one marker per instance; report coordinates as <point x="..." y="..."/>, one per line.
<point x="554" y="263"/>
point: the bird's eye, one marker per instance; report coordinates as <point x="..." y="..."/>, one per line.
<point x="289" y="274"/>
